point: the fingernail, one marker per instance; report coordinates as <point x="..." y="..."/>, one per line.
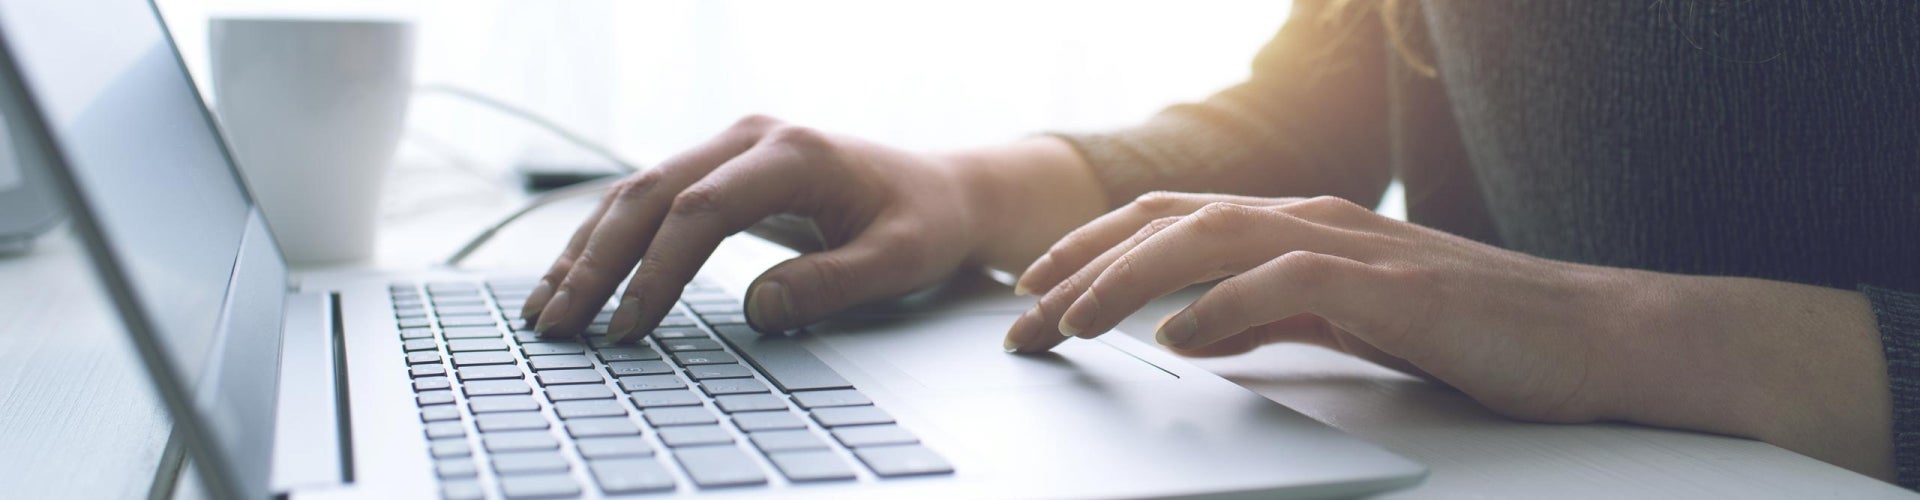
<point x="1020" y="290"/>
<point x="1039" y="264"/>
<point x="559" y="305"/>
<point x="625" y="319"/>
<point x="770" y="305"/>
<point x="1016" y="335"/>
<point x="538" y="299"/>
<point x="1072" y="322"/>
<point x="1177" y="330"/>
<point x="1009" y="345"/>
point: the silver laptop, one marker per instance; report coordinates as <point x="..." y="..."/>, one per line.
<point x="424" y="385"/>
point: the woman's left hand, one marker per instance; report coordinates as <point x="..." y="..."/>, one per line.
<point x="1514" y="331"/>
<point x="1796" y="365"/>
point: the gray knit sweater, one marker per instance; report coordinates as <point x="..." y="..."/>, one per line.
<point x="1768" y="139"/>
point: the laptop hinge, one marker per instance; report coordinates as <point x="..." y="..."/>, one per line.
<point x="309" y="450"/>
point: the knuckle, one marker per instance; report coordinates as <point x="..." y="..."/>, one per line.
<point x="755" y="123"/>
<point x="1332" y="206"/>
<point x="634" y="186"/>
<point x="1304" y="269"/>
<point x="801" y="139"/>
<point x="1157" y="202"/>
<point x="697" y="200"/>
<point x="1220" y="219"/>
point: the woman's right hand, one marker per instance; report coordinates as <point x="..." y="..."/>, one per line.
<point x="891" y="222"/>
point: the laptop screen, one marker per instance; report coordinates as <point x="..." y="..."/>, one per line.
<point x="161" y="205"/>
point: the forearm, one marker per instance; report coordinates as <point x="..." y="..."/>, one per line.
<point x="1025" y="195"/>
<point x="1797" y="366"/>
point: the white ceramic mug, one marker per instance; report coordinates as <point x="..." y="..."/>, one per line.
<point x="314" y="109"/>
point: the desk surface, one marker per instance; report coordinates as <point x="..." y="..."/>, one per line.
<point x="74" y="399"/>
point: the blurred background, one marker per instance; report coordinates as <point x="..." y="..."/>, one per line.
<point x="650" y="78"/>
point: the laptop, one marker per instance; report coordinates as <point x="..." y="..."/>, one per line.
<point x="424" y="385"/>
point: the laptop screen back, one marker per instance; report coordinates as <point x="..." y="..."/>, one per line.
<point x="180" y="244"/>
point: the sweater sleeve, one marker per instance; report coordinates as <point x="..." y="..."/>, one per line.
<point x="1898" y="314"/>
<point x="1311" y="120"/>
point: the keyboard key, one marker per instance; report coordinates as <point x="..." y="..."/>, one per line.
<point x="438" y="413"/>
<point x="664" y="334"/>
<point x="694" y="435"/>
<point x="434" y="397"/>
<point x="496" y="387"/>
<point x="666" y="398"/>
<point x="426" y="370"/>
<point x="469" y="345"/>
<point x="814" y="465"/>
<point x="417" y="322"/>
<point x="601" y="426"/>
<point x="575" y="392"/>
<point x="676" y="320"/>
<point x="788" y="365"/>
<point x="472" y="332"/>
<point x="455" y="468"/>
<point x="767" y="420"/>
<point x="907" y="460"/>
<point x="446" y="429"/>
<point x="709" y="372"/>
<point x="515" y="421"/>
<point x="460" y="321"/>
<point x="452" y="287"/>
<point x="457" y="300"/>
<point x="712" y="466"/>
<point x="529" y="462"/>
<point x="416" y="334"/>
<point x="546" y="348"/>
<point x="589" y="408"/>
<point x="726" y="386"/>
<point x="631" y="475"/>
<point x="619" y="446"/>
<point x="661" y="417"/>
<point x="464" y="310"/>
<point x="750" y="402"/>
<point x="462" y="489"/>
<point x="431" y="383"/>
<point x="519" y="441"/>
<point x="704" y="358"/>
<point x="873" y="435"/>
<point x="690" y="345"/>
<point x="448" y="448"/>
<point x="483" y="358"/>
<point x="490" y="372"/>
<point x="841" y="416"/>
<point x="637" y="353"/>
<point x="557" y="377"/>
<point x="705" y="307"/>
<point x="559" y="362"/>
<point x="619" y="368"/>
<point x="528" y="337"/>
<point x="725" y="319"/>
<point x="824" y="399"/>
<point x="490" y="404"/>
<point x="794" y="440"/>
<point x="415" y="358"/>
<point x="426" y="344"/>
<point x="650" y="383"/>
<point x="539" y="486"/>
<point x="706" y="298"/>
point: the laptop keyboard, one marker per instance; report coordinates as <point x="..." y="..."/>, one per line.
<point x="703" y="402"/>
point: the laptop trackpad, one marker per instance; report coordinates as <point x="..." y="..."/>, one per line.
<point x="962" y="351"/>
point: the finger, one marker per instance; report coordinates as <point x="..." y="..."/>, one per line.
<point x="1039" y="329"/>
<point x="622" y="233"/>
<point x="881" y="262"/>
<point x="774" y="177"/>
<point x="1074" y="250"/>
<point x="1302" y="329"/>
<point x="542" y="292"/>
<point x="1220" y="239"/>
<point x="1360" y="297"/>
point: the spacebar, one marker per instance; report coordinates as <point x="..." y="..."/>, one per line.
<point x="785" y="362"/>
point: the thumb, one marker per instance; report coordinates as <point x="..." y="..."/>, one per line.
<point x="805" y="289"/>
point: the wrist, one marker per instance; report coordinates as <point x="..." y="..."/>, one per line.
<point x="1023" y="196"/>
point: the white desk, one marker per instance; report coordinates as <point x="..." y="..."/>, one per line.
<point x="77" y="419"/>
